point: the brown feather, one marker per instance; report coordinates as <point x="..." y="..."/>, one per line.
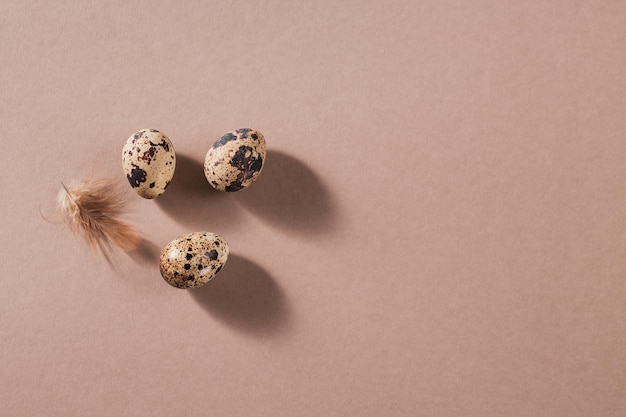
<point x="91" y="208"/>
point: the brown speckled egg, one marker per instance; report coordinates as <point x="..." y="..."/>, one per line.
<point x="235" y="160"/>
<point x="149" y="162"/>
<point x="192" y="260"/>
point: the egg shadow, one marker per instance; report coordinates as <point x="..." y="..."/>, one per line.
<point x="190" y="200"/>
<point x="289" y="195"/>
<point x="244" y="296"/>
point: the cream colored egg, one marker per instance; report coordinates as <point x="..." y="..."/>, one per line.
<point x="235" y="160"/>
<point x="149" y="161"/>
<point x="192" y="260"/>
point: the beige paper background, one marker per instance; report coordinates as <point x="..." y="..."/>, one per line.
<point x="440" y="229"/>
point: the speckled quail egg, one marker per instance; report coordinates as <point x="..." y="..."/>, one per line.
<point x="192" y="260"/>
<point x="235" y="160"/>
<point x="149" y="161"/>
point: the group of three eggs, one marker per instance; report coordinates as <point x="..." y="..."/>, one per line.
<point x="232" y="163"/>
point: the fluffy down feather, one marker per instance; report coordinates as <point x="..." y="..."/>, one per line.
<point x="91" y="208"/>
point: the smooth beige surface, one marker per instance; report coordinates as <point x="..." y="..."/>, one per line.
<point x="440" y="229"/>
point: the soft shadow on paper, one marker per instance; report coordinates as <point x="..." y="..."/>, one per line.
<point x="190" y="200"/>
<point x="246" y="297"/>
<point x="290" y="196"/>
<point x="146" y="253"/>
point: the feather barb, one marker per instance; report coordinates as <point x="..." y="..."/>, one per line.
<point x="91" y="208"/>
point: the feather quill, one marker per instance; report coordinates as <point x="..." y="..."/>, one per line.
<point x="91" y="208"/>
